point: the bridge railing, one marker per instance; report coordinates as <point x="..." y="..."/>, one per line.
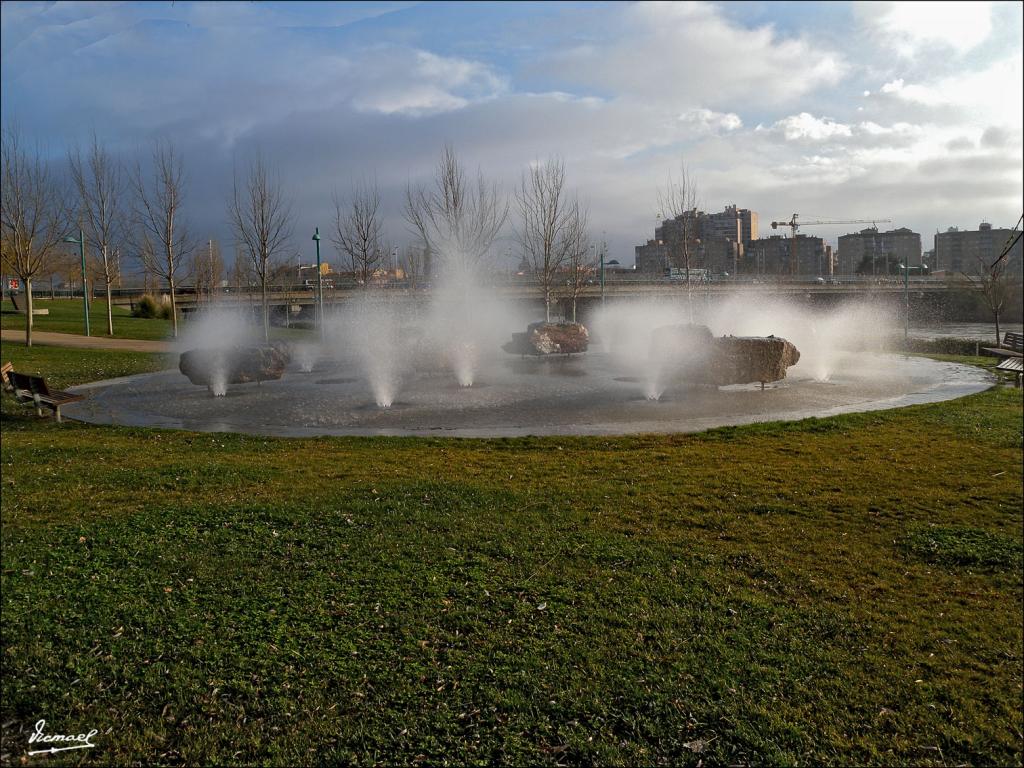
<point x="612" y="281"/>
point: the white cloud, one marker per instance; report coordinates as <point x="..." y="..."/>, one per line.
<point x="807" y="126"/>
<point x="684" y="54"/>
<point x="417" y="83"/>
<point x="988" y="95"/>
<point x="708" y="121"/>
<point x="912" y="27"/>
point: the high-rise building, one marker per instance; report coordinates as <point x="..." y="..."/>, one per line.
<point x="716" y="240"/>
<point x="872" y="252"/>
<point x="652" y="257"/>
<point x="959" y="250"/>
<point x="774" y="255"/>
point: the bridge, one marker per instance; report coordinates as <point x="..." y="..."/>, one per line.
<point x="524" y="290"/>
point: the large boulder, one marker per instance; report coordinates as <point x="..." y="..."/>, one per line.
<point x="692" y="353"/>
<point x="234" y="365"/>
<point x="550" y="339"/>
<point x="746" y="359"/>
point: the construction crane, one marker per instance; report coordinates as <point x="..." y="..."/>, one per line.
<point x="793" y="225"/>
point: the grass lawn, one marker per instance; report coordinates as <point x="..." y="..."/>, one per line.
<point x="843" y="591"/>
<point x="63" y="367"/>
<point x="66" y="317"/>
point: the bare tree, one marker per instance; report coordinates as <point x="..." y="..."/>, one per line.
<point x="261" y="219"/>
<point x="241" y="271"/>
<point x="583" y="259"/>
<point x="413" y="262"/>
<point x="456" y="219"/>
<point x="678" y="202"/>
<point x="100" y="186"/>
<point x="208" y="269"/>
<point x="32" y="216"/>
<point x="358" y="231"/>
<point x="552" y="225"/>
<point x="990" y="280"/>
<point x="164" y="245"/>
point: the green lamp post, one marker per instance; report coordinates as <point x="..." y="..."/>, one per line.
<point x="85" y="280"/>
<point x="319" y="284"/>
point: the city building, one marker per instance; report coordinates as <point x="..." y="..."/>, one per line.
<point x="717" y="241"/>
<point x="652" y="257"/>
<point x="872" y="252"/>
<point x="773" y="256"/>
<point x="963" y="251"/>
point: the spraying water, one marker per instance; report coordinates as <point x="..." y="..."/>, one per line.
<point x="828" y="340"/>
<point x="373" y="332"/>
<point x="218" y="328"/>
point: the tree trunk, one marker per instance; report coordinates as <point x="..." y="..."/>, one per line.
<point x="547" y="305"/>
<point x="574" y="309"/>
<point x="998" y="337"/>
<point x="106" y="279"/>
<point x="266" y="307"/>
<point x="28" y="312"/>
<point x="110" y="312"/>
<point x="174" y="310"/>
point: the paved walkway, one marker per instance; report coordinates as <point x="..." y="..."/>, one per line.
<point x="49" y="339"/>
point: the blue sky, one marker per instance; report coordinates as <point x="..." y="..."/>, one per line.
<point x="833" y="110"/>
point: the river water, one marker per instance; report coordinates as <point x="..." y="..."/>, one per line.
<point x="985" y="332"/>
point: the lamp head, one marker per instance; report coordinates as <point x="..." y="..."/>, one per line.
<point x="316" y="235"/>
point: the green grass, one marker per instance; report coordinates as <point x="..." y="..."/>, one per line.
<point x="63" y="367"/>
<point x="960" y="545"/>
<point x="840" y="591"/>
<point x="66" y="317"/>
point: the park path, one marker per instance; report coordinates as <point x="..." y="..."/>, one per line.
<point x="77" y="341"/>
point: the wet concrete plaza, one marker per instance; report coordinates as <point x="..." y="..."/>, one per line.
<point x="592" y="394"/>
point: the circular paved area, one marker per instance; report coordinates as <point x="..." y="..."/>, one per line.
<point x="591" y="394"/>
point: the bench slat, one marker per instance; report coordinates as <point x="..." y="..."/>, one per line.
<point x="32" y="390"/>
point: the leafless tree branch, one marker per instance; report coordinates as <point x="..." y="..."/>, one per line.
<point x="33" y="215"/>
<point x="162" y="238"/>
<point x="457" y="220"/>
<point x="261" y="220"/>
<point x="358" y="230"/>
<point x="99" y="182"/>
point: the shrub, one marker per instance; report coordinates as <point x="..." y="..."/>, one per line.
<point x="146" y="307"/>
<point x="150" y="307"/>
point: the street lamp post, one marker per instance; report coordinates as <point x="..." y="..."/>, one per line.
<point x="906" y="305"/>
<point x="319" y="284"/>
<point x="85" y="281"/>
<point x="906" y="298"/>
<point x="602" y="274"/>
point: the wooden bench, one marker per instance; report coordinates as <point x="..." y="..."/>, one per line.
<point x="21" y="305"/>
<point x="32" y="390"/>
<point x="1012" y="346"/>
<point x="1013" y="365"/>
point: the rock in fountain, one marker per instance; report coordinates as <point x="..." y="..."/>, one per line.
<point x="216" y="368"/>
<point x="701" y="358"/>
<point x="550" y="339"/>
<point x="745" y="359"/>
